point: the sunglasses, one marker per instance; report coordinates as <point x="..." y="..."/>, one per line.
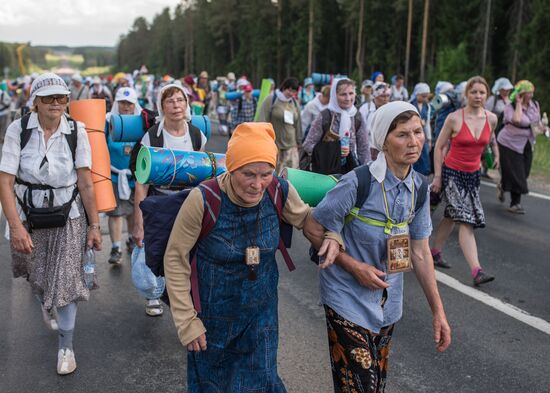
<point x="61" y="99"/>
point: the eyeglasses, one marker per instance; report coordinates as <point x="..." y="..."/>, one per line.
<point x="61" y="99"/>
<point x="177" y="101"/>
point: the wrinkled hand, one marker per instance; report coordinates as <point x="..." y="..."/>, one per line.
<point x="436" y="184"/>
<point x="496" y="164"/>
<point x="329" y="250"/>
<point x="442" y="332"/>
<point x="137" y="234"/>
<point x="94" y="239"/>
<point x="21" y="239"/>
<point x="369" y="276"/>
<point x="344" y="151"/>
<point x="198" y="344"/>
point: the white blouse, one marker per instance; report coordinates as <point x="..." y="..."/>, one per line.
<point x="59" y="170"/>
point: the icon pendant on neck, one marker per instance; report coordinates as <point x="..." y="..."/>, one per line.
<point x="252" y="259"/>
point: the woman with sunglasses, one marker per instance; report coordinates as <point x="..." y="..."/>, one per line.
<point x="46" y="192"/>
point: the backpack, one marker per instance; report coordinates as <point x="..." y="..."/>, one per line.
<point x="160" y="212"/>
<point x="363" y="189"/>
<point x="326" y="155"/>
<point x="71" y="138"/>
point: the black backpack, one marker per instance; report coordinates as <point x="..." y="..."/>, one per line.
<point x="363" y="189"/>
<point x="326" y="155"/>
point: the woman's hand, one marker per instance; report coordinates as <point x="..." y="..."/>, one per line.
<point x="436" y="184"/>
<point x="198" y="344"/>
<point x="94" y="237"/>
<point x="329" y="250"/>
<point x="137" y="234"/>
<point x="21" y="239"/>
<point x="369" y="276"/>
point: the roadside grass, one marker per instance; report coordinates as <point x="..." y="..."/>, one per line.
<point x="541" y="158"/>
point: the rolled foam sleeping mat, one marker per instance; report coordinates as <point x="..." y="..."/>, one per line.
<point x="234" y="95"/>
<point x="312" y="187"/>
<point x="167" y="167"/>
<point x="264" y="92"/>
<point x="126" y="128"/>
<point x="92" y="114"/>
<point x="324" y="79"/>
<point x="131" y="128"/>
<point x="202" y="123"/>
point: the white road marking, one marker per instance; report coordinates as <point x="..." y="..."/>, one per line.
<point x="495" y="303"/>
<point x="533" y="194"/>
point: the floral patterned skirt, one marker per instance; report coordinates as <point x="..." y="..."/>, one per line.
<point x="358" y="357"/>
<point x="461" y="197"/>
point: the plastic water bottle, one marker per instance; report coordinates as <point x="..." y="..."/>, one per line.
<point x="344" y="145"/>
<point x="89" y="267"/>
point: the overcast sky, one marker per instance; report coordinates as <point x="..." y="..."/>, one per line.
<point x="73" y="22"/>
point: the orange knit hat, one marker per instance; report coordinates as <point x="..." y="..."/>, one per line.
<point x="251" y="142"/>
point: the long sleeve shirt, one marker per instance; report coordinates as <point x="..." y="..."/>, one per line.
<point x="287" y="135"/>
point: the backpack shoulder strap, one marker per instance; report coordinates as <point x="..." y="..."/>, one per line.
<point x="422" y="193"/>
<point x="363" y="184"/>
<point x="72" y="138"/>
<point x="358" y="120"/>
<point x="326" y="118"/>
<point x="154" y="139"/>
<point x="196" y="136"/>
<point x="212" y="204"/>
<point x="25" y="132"/>
<point x="278" y="196"/>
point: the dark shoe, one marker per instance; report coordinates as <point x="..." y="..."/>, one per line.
<point x="500" y="193"/>
<point x="115" y="256"/>
<point x="130" y="244"/>
<point x="481" y="278"/>
<point x="440" y="262"/>
<point x="516" y="209"/>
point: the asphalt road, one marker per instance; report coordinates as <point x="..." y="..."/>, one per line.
<point x="120" y="349"/>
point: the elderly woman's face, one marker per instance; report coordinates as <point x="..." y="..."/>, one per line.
<point x="175" y="106"/>
<point x="251" y="180"/>
<point x="126" y="107"/>
<point x="51" y="107"/>
<point x="504" y="92"/>
<point x="404" y="144"/>
<point x="422" y="98"/>
<point x="345" y="95"/>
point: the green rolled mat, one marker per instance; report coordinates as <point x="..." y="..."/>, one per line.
<point x="264" y="92"/>
<point x="312" y="187"/>
<point x="167" y="167"/>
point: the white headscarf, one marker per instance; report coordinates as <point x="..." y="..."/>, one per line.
<point x="420" y="88"/>
<point x="346" y="115"/>
<point x="382" y="119"/>
<point x="281" y="96"/>
<point x="126" y="94"/>
<point x="443" y="87"/>
<point x="160" y="117"/>
<point x="501" y="83"/>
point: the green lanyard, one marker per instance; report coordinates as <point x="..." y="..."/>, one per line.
<point x="390" y="223"/>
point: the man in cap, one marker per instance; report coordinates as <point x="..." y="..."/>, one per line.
<point x="243" y="109"/>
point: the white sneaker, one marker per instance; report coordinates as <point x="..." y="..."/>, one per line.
<point x="49" y="317"/>
<point x="153" y="308"/>
<point x="66" y="362"/>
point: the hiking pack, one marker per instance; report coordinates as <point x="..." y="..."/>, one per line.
<point x="160" y="212"/>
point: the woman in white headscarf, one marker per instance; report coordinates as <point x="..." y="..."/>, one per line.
<point x="175" y="131"/>
<point x="337" y="138"/>
<point x="362" y="292"/>
<point x="500" y="98"/>
<point x="420" y="99"/>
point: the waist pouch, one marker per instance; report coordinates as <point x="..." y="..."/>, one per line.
<point x="46" y="217"/>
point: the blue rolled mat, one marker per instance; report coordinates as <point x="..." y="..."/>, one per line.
<point x="202" y="123"/>
<point x="126" y="128"/>
<point x="324" y="79"/>
<point x="234" y="95"/>
<point x="167" y="167"/>
<point x="131" y="128"/>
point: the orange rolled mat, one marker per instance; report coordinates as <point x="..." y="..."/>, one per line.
<point x="92" y="114"/>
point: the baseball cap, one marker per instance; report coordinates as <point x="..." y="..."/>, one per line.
<point x="366" y="83"/>
<point x="247" y="87"/>
<point x="48" y="84"/>
<point x="126" y="94"/>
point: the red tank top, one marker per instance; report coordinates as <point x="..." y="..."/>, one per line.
<point x="465" y="152"/>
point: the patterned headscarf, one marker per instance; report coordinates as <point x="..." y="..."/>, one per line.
<point x="523" y="86"/>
